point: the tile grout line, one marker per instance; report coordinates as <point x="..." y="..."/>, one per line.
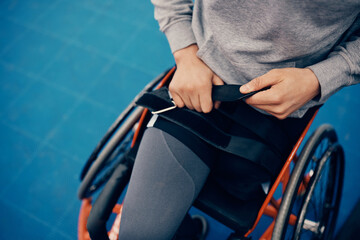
<point x="75" y="36"/>
<point x="59" y="53"/>
<point x="61" y="219"/>
<point x="112" y="61"/>
<point x="38" y="140"/>
<point x="35" y="218"/>
<point x="36" y="79"/>
<point x="31" y="75"/>
<point x="106" y="13"/>
<point x="82" y="98"/>
<point x="58" y="87"/>
<point x="23" y="90"/>
<point x="10" y="45"/>
<point x="32" y="27"/>
<point x="45" y="142"/>
<point x="76" y="43"/>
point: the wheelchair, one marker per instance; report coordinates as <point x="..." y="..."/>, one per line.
<point x="302" y="203"/>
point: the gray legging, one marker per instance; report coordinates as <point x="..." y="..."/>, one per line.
<point x="166" y="179"/>
<point x="168" y="176"/>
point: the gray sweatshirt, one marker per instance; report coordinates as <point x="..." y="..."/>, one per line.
<point x="243" y="39"/>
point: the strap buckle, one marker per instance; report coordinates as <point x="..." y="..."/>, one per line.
<point x="165" y="109"/>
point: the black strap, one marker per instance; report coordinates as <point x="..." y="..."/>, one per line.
<point x="265" y="127"/>
<point x="230" y="93"/>
<point x="205" y="127"/>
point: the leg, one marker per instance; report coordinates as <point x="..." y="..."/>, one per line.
<point x="166" y="179"/>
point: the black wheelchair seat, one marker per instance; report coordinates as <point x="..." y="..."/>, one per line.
<point x="235" y="213"/>
<point x="311" y="184"/>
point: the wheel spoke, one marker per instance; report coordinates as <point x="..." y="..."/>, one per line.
<point x="318" y="184"/>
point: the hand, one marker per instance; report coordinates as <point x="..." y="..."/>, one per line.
<point x="192" y="82"/>
<point x="290" y="89"/>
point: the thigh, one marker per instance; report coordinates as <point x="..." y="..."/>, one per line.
<point x="166" y="179"/>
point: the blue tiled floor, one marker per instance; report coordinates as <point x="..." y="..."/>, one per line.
<point x="67" y="69"/>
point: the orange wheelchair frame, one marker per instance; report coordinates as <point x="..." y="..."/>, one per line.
<point x="321" y="159"/>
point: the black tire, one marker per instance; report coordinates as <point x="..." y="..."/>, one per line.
<point x="316" y="208"/>
<point x="118" y="122"/>
<point x="113" y="154"/>
<point x="113" y="148"/>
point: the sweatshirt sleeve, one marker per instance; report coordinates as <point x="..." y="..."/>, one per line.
<point x="174" y="17"/>
<point x="342" y="66"/>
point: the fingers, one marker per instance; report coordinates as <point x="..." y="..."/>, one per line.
<point x="271" y="100"/>
<point x="195" y="102"/>
<point x="270" y="96"/>
<point x="178" y="101"/>
<point x="266" y="80"/>
<point x="182" y="100"/>
<point x="217" y="81"/>
<point x="194" y="98"/>
<point x="205" y="97"/>
<point x="206" y="103"/>
<point x="194" y="90"/>
<point x="200" y="99"/>
<point x="290" y="89"/>
<point x="279" y="111"/>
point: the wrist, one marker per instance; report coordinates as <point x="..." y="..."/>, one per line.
<point x="186" y="53"/>
<point x="312" y="81"/>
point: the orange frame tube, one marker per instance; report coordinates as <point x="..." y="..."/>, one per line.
<point x="83" y="234"/>
<point x="143" y="115"/>
<point x="270" y="210"/>
<point x="85" y="209"/>
<point x="283" y="171"/>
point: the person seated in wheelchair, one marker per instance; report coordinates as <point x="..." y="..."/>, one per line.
<point x="297" y="53"/>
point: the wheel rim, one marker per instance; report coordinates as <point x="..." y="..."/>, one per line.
<point x="116" y="158"/>
<point x="292" y="199"/>
<point x="320" y="203"/>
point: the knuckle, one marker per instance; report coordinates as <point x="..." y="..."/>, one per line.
<point x="280" y="111"/>
<point x="171" y="87"/>
<point x="275" y="71"/>
<point x="189" y="88"/>
<point x="179" y="104"/>
<point x="277" y="99"/>
<point x="257" y="82"/>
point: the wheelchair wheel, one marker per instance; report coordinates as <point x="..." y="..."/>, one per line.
<point x="311" y="201"/>
<point x="115" y="147"/>
<point x="115" y="153"/>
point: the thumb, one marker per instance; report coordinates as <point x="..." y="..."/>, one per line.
<point x="258" y="83"/>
